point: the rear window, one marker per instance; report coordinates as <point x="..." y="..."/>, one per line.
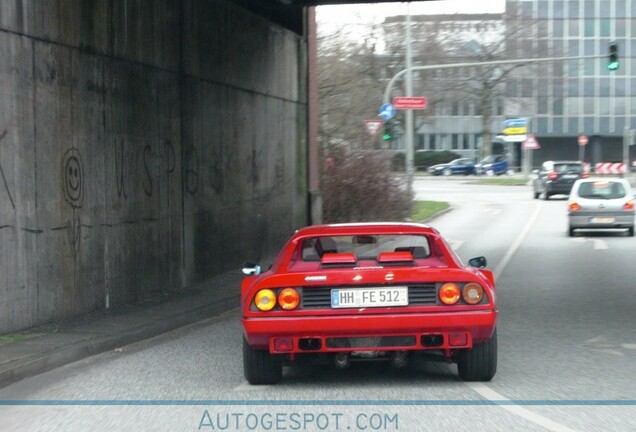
<point x="365" y="247"/>
<point x="602" y="190"/>
<point x="568" y="167"/>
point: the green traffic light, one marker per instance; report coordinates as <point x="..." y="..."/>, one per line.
<point x="387" y="137"/>
<point x="612" y="63"/>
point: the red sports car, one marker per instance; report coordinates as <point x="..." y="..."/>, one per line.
<point x="368" y="290"/>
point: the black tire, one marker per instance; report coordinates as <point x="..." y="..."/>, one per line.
<point x="535" y="194"/>
<point x="630" y="231"/>
<point x="571" y="232"/>
<point x="448" y="172"/>
<point x="546" y="195"/>
<point x="480" y="362"/>
<point x="261" y="367"/>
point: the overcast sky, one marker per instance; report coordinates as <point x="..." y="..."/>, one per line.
<point x="375" y="12"/>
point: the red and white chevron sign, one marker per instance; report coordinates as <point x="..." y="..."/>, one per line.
<point x="609" y="168"/>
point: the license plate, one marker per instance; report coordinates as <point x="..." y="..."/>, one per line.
<point x="570" y="176"/>
<point x="602" y="220"/>
<point x="370" y="297"/>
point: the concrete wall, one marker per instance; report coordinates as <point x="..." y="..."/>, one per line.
<point x="145" y="146"/>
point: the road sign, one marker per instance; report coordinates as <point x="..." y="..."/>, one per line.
<point x="373" y="127"/>
<point x="531" y="143"/>
<point x="582" y="140"/>
<point x="409" y="102"/>
<point x="387" y="112"/>
<point x="515" y="127"/>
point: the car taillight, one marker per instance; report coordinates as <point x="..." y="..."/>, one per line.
<point x="289" y="299"/>
<point x="574" y="206"/>
<point x="585" y="174"/>
<point x="472" y="293"/>
<point x="629" y="205"/>
<point x="265" y="300"/>
<point x="552" y="175"/>
<point x="449" y="294"/>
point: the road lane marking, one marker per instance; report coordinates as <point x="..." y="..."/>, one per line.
<point x="599" y="244"/>
<point x="520" y="411"/>
<point x="515" y="245"/>
<point x="488" y="393"/>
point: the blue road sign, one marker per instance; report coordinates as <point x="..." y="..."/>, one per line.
<point x="515" y="123"/>
<point x="387" y="112"/>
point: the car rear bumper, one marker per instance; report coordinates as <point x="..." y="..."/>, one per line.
<point x="593" y="221"/>
<point x="370" y="332"/>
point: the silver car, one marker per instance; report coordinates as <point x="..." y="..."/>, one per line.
<point x="601" y="203"/>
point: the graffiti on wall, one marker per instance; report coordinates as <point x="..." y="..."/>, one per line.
<point x="4" y="180"/>
<point x="73" y="186"/>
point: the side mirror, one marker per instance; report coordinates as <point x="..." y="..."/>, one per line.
<point x="535" y="171"/>
<point x="251" y="269"/>
<point x="479" y="262"/>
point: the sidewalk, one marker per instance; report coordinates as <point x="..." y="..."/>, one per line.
<point x="63" y="342"/>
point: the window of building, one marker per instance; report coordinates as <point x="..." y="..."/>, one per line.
<point x="573" y="9"/>
<point x="589" y="67"/>
<point x="588" y="87"/>
<point x="557" y="106"/>
<point x="573" y="125"/>
<point x="526" y="87"/>
<point x="557" y="125"/>
<point x="633" y="105"/>
<point x="432" y="143"/>
<point x="621" y="9"/>
<point x="542" y="8"/>
<point x="603" y="106"/>
<point x="589" y="47"/>
<point x="542" y="125"/>
<point x="619" y="123"/>
<point x="573" y="28"/>
<point x="421" y="141"/>
<point x="542" y="105"/>
<point x="573" y="87"/>
<point x="589" y="27"/>
<point x="589" y="105"/>
<point x="573" y="106"/>
<point x="604" y="88"/>
<point x="605" y="28"/>
<point x="620" y="85"/>
<point x="573" y="48"/>
<point x="619" y="105"/>
<point x="621" y="27"/>
<point x="557" y="28"/>
<point x="588" y="125"/>
<point x="603" y="125"/>
<point x="466" y="141"/>
<point x="455" y="141"/>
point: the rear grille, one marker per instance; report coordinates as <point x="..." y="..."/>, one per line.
<point x="320" y="297"/>
<point x="371" y="342"/>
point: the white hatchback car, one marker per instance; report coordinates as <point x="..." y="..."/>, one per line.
<point x="601" y="203"/>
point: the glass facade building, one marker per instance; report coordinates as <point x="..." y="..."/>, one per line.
<point x="561" y="99"/>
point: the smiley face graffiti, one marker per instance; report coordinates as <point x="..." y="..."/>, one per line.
<point x="73" y="178"/>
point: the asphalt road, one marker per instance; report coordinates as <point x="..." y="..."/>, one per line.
<point x="567" y="350"/>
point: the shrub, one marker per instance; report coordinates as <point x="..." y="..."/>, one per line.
<point x="359" y="187"/>
<point x="427" y="158"/>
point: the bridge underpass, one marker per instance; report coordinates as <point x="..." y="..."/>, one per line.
<point x="147" y="146"/>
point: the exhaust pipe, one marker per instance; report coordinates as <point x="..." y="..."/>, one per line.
<point x="342" y="360"/>
<point x="399" y="359"/>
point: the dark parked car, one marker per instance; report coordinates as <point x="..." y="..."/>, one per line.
<point x="458" y="166"/>
<point x="556" y="178"/>
<point x="495" y="164"/>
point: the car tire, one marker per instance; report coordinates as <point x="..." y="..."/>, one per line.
<point x="480" y="362"/>
<point x="630" y="231"/>
<point x="447" y="172"/>
<point x="546" y="196"/>
<point x="571" y="232"/>
<point x="261" y="367"/>
<point x="535" y="194"/>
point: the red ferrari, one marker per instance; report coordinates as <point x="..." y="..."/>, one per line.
<point x="368" y="290"/>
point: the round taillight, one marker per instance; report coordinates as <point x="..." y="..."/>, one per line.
<point x="472" y="293"/>
<point x="449" y="294"/>
<point x="573" y="206"/>
<point x="265" y="300"/>
<point x="289" y="299"/>
<point x="629" y="205"/>
<point x="553" y="175"/>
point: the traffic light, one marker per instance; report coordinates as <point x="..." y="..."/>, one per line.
<point x="612" y="62"/>
<point x="388" y="131"/>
